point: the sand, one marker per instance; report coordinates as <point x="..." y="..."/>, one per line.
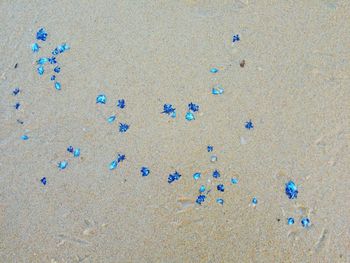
<point x="294" y="87"/>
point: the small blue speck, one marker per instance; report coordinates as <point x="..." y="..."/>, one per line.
<point x="111" y="119"/>
<point x="76" y="152"/>
<point x="291" y="190"/>
<point x="173" y="114"/>
<point x="101" y="99"/>
<point x="216" y="174"/>
<point x="189" y="116"/>
<point x="70" y="149"/>
<point x="53" y="77"/>
<point x="17" y="105"/>
<point x="290" y="221"/>
<point x="113" y="165"/>
<point x="196" y="176"/>
<point x="234" y="181"/>
<point x="43" y="180"/>
<point x="217" y="90"/>
<point x="235" y="38"/>
<point x="173" y="177"/>
<point x="123" y="127"/>
<point x="254" y="201"/>
<point x="210" y="148"/>
<point x="35" y="47"/>
<point x="40" y="70"/>
<point x="145" y="171"/>
<point x="168" y="109"/>
<point x="200" y="199"/>
<point x="41" y="34"/>
<point x="193" y="107"/>
<point x="42" y="61"/>
<point x="62" y="165"/>
<point x="57" y="69"/>
<point x="57" y="85"/>
<point x="220" y="201"/>
<point x="202" y="189"/>
<point x="55" y="52"/>
<point x="24" y="137"/>
<point x="121" y="157"/>
<point x="249" y="125"/>
<point x="121" y="103"/>
<point x="15" y="91"/>
<point x="221" y="187"/>
<point x="52" y="60"/>
<point x="214" y="70"/>
<point x="305" y="222"/>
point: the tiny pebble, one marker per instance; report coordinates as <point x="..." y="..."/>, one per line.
<point x="216" y="174"/>
<point x="196" y="176"/>
<point x="123" y="127"/>
<point x="234" y="181"/>
<point x="62" y="165"/>
<point x="111" y="119"/>
<point x="40" y="70"/>
<point x="210" y="148"/>
<point x="200" y="199"/>
<point x="213" y="158"/>
<point x="217" y="90"/>
<point x="101" y="99"/>
<point x="202" y="189"/>
<point x="168" y="109"/>
<point x="290" y="221"/>
<point x="189" y="116"/>
<point x="70" y="149"/>
<point x="57" y="69"/>
<point x="76" y="152"/>
<point x="220" y="201"/>
<point x="221" y="187"/>
<point x="291" y="190"/>
<point x="35" y="47"/>
<point x="17" y="105"/>
<point x="145" y="171"/>
<point x="53" y="77"/>
<point x="43" y="180"/>
<point x="214" y="70"/>
<point x="41" y="34"/>
<point x="57" y="85"/>
<point x="15" y="91"/>
<point x="249" y="125"/>
<point x="254" y="201"/>
<point x="173" y="177"/>
<point x="121" y="103"/>
<point x="305" y="222"/>
<point x="235" y="38"/>
<point x="24" y="137"/>
<point x="193" y="107"/>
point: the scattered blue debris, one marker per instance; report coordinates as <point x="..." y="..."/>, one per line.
<point x="168" y="109"/>
<point x="35" y="47"/>
<point x="234" y="181"/>
<point x="145" y="171"/>
<point x="249" y="125"/>
<point x="121" y="103"/>
<point x="196" y="176"/>
<point x="24" y="137"/>
<point x="220" y="201"/>
<point x="43" y="180"/>
<point x="189" y="116"/>
<point x="214" y="70"/>
<point x="216" y="174"/>
<point x="42" y="61"/>
<point x="70" y="149"/>
<point x="57" y="69"/>
<point x="17" y="105"/>
<point x="53" y="77"/>
<point x="235" y="38"/>
<point x="123" y="127"/>
<point x="200" y="199"/>
<point x="52" y="60"/>
<point x="202" y="189"/>
<point x="254" y="201"/>
<point x="41" y="34"/>
<point x="62" y="165"/>
<point x="15" y="91"/>
<point x="217" y="90"/>
<point x="173" y="177"/>
<point x="101" y="99"/>
<point x="290" y="221"/>
<point x="76" y="152"/>
<point x="221" y="187"/>
<point x="60" y="49"/>
<point x="305" y="222"/>
<point x="57" y="85"/>
<point x="291" y="190"/>
<point x="111" y="119"/>
<point x="193" y="107"/>
<point x="40" y="70"/>
<point x="210" y="148"/>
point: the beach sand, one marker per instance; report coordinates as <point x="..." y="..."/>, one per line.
<point x="294" y="87"/>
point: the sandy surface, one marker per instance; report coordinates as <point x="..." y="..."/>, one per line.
<point x="294" y="87"/>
